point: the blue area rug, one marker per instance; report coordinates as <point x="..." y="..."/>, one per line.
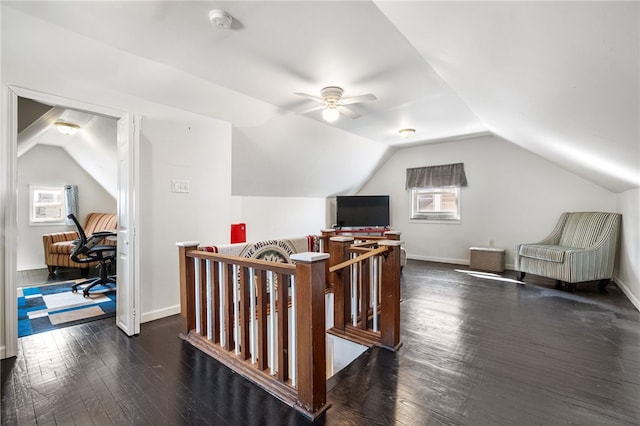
<point x="52" y="306"/>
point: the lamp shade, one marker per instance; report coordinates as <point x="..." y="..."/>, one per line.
<point x="330" y="114"/>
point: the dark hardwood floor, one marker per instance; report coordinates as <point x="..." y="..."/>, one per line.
<point x="476" y="351"/>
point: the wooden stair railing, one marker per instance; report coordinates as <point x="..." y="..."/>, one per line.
<point x="237" y="310"/>
<point x="365" y="277"/>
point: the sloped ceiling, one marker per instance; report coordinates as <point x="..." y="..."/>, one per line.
<point x="557" y="78"/>
<point x="93" y="147"/>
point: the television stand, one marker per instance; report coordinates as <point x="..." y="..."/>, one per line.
<point x="365" y="230"/>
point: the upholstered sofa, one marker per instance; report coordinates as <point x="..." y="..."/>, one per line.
<point x="58" y="246"/>
<point x="582" y="247"/>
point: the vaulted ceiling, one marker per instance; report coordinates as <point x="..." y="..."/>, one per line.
<point x="93" y="147"/>
<point x="560" y="79"/>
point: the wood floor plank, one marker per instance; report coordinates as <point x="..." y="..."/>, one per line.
<point x="475" y="352"/>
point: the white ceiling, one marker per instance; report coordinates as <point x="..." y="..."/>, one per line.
<point x="93" y="147"/>
<point x="557" y="78"/>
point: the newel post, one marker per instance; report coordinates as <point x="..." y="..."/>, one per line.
<point x="340" y="280"/>
<point x="325" y="234"/>
<point x="310" y="326"/>
<point x="390" y="295"/>
<point x="187" y="286"/>
<point x="393" y="235"/>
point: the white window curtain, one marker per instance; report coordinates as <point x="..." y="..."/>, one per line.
<point x="445" y="175"/>
<point x="70" y="202"/>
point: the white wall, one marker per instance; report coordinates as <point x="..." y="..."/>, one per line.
<point x="183" y="146"/>
<point x="49" y="165"/>
<point x="628" y="272"/>
<point x="282" y="217"/>
<point x="513" y="197"/>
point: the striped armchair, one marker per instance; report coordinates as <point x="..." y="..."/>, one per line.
<point x="58" y="246"/>
<point x="582" y="247"/>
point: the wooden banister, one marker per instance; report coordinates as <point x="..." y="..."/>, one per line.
<point x="311" y="341"/>
<point x="341" y="283"/>
<point x="367" y="310"/>
<point x="368" y="254"/>
<point x="187" y="275"/>
<point x="237" y="310"/>
<point x="390" y="296"/>
<point x="255" y="298"/>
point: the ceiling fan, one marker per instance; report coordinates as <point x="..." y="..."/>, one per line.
<point x="333" y="104"/>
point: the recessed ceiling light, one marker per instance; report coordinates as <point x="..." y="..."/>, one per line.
<point x="66" y="127"/>
<point x="407" y="133"/>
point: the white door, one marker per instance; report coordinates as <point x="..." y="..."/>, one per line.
<point x="127" y="294"/>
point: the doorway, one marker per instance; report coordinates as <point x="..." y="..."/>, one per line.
<point x="128" y="126"/>
<point x="67" y="163"/>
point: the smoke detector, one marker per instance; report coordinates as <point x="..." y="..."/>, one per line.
<point x="220" y="19"/>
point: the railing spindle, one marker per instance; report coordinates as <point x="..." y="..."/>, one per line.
<point x="197" y="281"/>
<point x="283" y="326"/>
<point x="272" y="323"/>
<point x="244" y="312"/>
<point x="229" y="342"/>
<point x="214" y="279"/>
<point x="365" y="293"/>
<point x="262" y="300"/>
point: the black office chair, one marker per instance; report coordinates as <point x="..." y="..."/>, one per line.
<point x="88" y="249"/>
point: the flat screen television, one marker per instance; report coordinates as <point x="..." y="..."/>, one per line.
<point x="362" y="211"/>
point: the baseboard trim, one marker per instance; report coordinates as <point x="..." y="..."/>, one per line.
<point x="438" y="259"/>
<point x="160" y="313"/>
<point x="508" y="266"/>
<point x="32" y="268"/>
<point x="627" y="292"/>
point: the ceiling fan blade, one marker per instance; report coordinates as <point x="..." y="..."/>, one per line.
<point x="347" y="112"/>
<point x="355" y="99"/>
<point x="315" y="108"/>
<point x="306" y="95"/>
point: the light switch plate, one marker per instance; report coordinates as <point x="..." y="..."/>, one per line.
<point x="180" y="186"/>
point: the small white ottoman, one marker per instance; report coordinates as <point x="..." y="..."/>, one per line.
<point x="489" y="259"/>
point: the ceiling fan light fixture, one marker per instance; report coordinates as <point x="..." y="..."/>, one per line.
<point x="330" y="114"/>
<point x="67" y="127"/>
<point x="407" y="133"/>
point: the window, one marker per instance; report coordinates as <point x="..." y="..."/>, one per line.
<point x="435" y="191"/>
<point x="46" y="205"/>
<point x="435" y="203"/>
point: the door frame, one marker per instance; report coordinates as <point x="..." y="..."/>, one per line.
<point x="8" y="202"/>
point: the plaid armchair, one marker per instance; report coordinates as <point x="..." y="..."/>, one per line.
<point x="582" y="247"/>
<point x="58" y="246"/>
